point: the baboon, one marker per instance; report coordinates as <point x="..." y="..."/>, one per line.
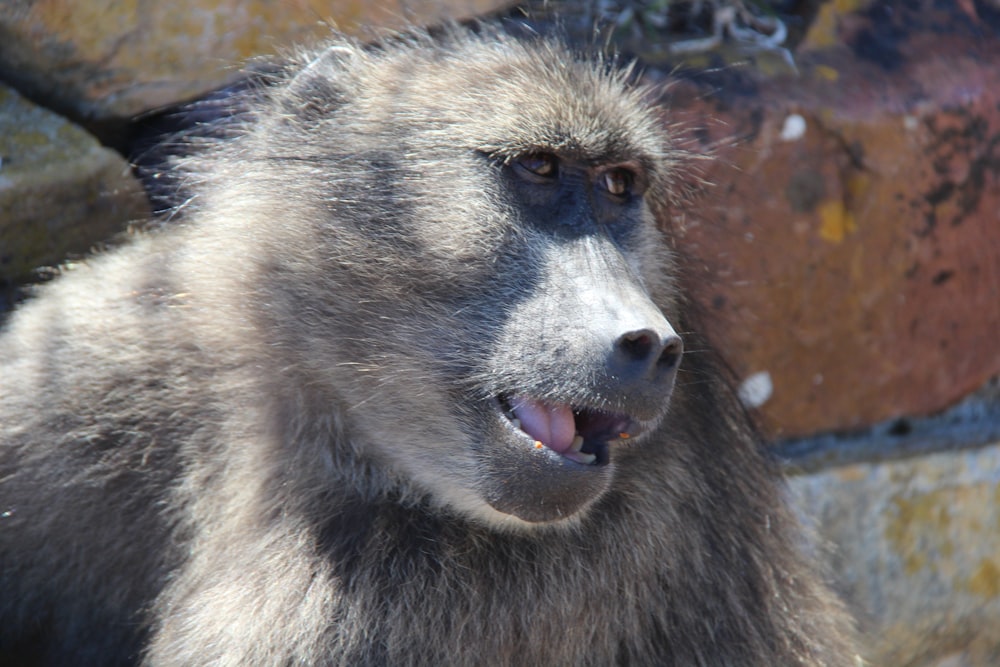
<point x="402" y="386"/>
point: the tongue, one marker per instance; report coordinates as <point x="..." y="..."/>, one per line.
<point x="550" y="424"/>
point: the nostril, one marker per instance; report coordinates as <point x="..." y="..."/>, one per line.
<point x="637" y="345"/>
<point x="670" y="356"/>
<point x="645" y="354"/>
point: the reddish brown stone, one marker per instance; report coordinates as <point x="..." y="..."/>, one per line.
<point x="113" y="59"/>
<point x="858" y="265"/>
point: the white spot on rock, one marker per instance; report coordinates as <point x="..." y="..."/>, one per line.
<point x="756" y="389"/>
<point x="794" y="128"/>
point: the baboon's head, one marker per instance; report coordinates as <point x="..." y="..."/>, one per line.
<point x="466" y="265"/>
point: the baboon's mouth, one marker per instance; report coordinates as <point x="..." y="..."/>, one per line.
<point x="580" y="434"/>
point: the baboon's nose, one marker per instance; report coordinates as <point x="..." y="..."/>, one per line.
<point x="645" y="354"/>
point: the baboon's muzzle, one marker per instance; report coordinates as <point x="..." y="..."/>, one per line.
<point x="597" y="375"/>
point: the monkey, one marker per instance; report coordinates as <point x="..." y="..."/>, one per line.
<point x="406" y="384"/>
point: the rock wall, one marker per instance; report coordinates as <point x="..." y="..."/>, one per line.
<point x="849" y="248"/>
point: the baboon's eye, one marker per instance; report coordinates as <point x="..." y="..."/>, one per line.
<point x="537" y="166"/>
<point x="617" y="182"/>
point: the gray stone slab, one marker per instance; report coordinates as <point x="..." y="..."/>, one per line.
<point x="60" y="190"/>
<point x="914" y="546"/>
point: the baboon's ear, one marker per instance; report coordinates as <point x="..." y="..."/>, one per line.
<point x="312" y="93"/>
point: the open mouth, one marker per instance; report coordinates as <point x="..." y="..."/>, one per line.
<point x="580" y="434"/>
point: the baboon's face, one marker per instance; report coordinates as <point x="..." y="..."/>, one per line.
<point x="491" y="241"/>
<point x="583" y="361"/>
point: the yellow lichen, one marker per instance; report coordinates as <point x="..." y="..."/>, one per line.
<point x="836" y="221"/>
<point x="985" y="581"/>
<point x="917" y="521"/>
<point x="825" y="28"/>
<point x="826" y="73"/>
<point x="935" y="530"/>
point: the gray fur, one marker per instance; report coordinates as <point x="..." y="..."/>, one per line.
<point x="269" y="434"/>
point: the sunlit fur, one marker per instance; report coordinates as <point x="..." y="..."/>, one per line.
<point x="258" y="436"/>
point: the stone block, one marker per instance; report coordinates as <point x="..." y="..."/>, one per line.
<point x="113" y="59"/>
<point x="60" y="190"/>
<point x="851" y="242"/>
<point x="915" y="548"/>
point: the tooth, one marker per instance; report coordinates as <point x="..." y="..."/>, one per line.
<point x="516" y="423"/>
<point x="577" y="443"/>
<point x="580" y="457"/>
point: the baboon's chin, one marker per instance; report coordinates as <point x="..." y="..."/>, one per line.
<point x="545" y="461"/>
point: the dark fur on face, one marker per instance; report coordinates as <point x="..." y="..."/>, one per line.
<point x="404" y="386"/>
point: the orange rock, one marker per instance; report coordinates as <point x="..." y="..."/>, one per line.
<point x="851" y="242"/>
